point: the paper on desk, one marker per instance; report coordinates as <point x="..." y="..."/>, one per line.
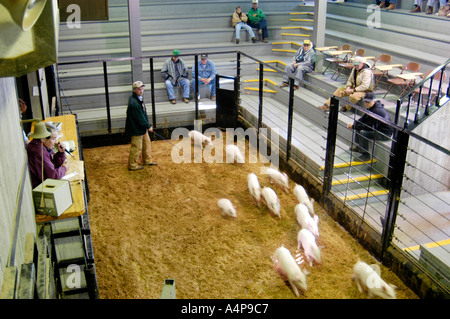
<point x="77" y="167"/>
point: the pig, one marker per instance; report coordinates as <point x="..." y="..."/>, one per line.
<point x="303" y="198"/>
<point x="305" y="220"/>
<point x="198" y="137"/>
<point x="254" y="188"/>
<point x="271" y="200"/>
<point x="226" y="207"/>
<point x="281" y="179"/>
<point x="286" y="265"/>
<point x="367" y="278"/>
<point x="234" y="154"/>
<point x="307" y="240"/>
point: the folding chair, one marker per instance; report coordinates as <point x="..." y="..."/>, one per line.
<point x="348" y="65"/>
<point x="411" y="67"/>
<point x="434" y="90"/>
<point x="383" y="59"/>
<point x="339" y="58"/>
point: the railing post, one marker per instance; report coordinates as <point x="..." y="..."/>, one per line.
<point x="196" y="86"/>
<point x="108" y="106"/>
<point x="152" y="89"/>
<point x="290" y="119"/>
<point x="331" y="146"/>
<point x="395" y="176"/>
<point x="260" y="108"/>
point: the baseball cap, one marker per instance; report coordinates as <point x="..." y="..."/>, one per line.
<point x="307" y="42"/>
<point x="204" y="56"/>
<point x="176" y="52"/>
<point x="138" y="84"/>
<point x="369" y="97"/>
<point x="254" y="1"/>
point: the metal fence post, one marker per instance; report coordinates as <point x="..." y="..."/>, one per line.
<point x="396" y="171"/>
<point x="290" y="119"/>
<point x="331" y="146"/>
<point x="196" y="85"/>
<point x="152" y="86"/>
<point x="108" y="107"/>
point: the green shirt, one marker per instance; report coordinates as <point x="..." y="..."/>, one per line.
<point x="259" y="15"/>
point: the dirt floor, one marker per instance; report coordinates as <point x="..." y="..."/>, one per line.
<point x="163" y="222"/>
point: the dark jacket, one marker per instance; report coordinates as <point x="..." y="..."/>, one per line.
<point x="136" y="123"/>
<point x="368" y="123"/>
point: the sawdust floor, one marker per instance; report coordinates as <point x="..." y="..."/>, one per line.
<point x="163" y="222"/>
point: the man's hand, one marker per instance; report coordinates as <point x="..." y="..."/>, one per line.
<point x="150" y="129"/>
<point x="350" y="126"/>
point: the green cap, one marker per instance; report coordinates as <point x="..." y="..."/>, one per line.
<point x="176" y="52"/>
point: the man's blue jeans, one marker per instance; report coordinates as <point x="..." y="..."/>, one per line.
<point x="184" y="83"/>
<point x="246" y="27"/>
<point x="211" y="85"/>
<point x="263" y="26"/>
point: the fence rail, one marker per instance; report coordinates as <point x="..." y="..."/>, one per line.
<point x="396" y="217"/>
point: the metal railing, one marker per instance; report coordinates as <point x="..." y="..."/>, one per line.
<point x="393" y="162"/>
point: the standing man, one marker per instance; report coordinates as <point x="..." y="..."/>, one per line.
<point x="175" y="73"/>
<point x="368" y="128"/>
<point x="137" y="126"/>
<point x="257" y="19"/>
<point x="360" y="82"/>
<point x="303" y="62"/>
<point x="206" y="75"/>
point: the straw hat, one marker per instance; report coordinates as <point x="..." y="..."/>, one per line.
<point x="40" y="131"/>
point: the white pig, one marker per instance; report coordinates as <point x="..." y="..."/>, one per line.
<point x="303" y="198"/>
<point x="281" y="179"/>
<point x="305" y="220"/>
<point x="234" y="154"/>
<point x="287" y="266"/>
<point x="307" y="240"/>
<point x="226" y="207"/>
<point x="272" y="201"/>
<point x="368" y="279"/>
<point x="198" y="137"/>
<point x="254" y="188"/>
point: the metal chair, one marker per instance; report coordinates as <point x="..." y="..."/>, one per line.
<point x="383" y="59"/>
<point x="338" y="59"/>
<point x="411" y="67"/>
<point x="433" y="90"/>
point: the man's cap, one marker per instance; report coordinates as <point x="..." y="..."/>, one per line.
<point x="40" y="131"/>
<point x="359" y="59"/>
<point x="138" y="84"/>
<point x="204" y="56"/>
<point x="176" y="52"/>
<point x="307" y="42"/>
<point x="254" y="1"/>
<point x="369" y="97"/>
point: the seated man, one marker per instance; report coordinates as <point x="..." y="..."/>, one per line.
<point x="303" y="62"/>
<point x="257" y="20"/>
<point x="368" y="128"/>
<point x="206" y="75"/>
<point x="43" y="163"/>
<point x="175" y="73"/>
<point x="360" y="82"/>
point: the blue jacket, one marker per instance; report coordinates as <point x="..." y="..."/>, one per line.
<point x="205" y="71"/>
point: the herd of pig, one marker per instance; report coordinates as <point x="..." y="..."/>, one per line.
<point x="365" y="276"/>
